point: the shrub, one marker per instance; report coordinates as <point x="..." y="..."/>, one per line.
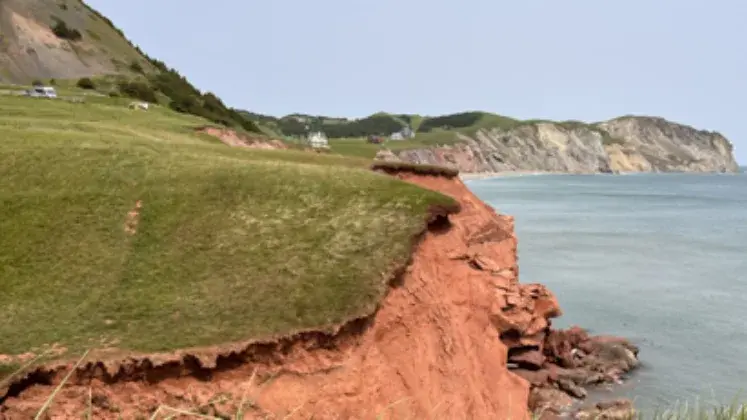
<point x="86" y="83"/>
<point x="460" y="120"/>
<point x="418" y="169"/>
<point x="138" y="90"/>
<point x="136" y="67"/>
<point x="61" y="30"/>
<point x="187" y="99"/>
<point x="37" y="82"/>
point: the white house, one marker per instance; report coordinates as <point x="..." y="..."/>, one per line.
<point x="405" y="133"/>
<point x="317" y="140"/>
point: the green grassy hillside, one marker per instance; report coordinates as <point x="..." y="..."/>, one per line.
<point x="349" y="136"/>
<point x="67" y="43"/>
<point x="227" y="244"/>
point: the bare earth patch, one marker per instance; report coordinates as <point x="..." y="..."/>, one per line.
<point x="133" y="216"/>
<point x="235" y="139"/>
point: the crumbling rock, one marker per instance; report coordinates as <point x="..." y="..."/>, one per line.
<point x="387" y="156"/>
<point x="575" y="360"/>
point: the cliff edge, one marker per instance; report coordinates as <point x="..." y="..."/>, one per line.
<point x="625" y="144"/>
<point x="456" y="337"/>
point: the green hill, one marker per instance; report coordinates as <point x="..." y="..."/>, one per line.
<point x="348" y="136"/>
<point x="226" y="244"/>
<point x="67" y="43"/>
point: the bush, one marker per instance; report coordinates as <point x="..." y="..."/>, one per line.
<point x="460" y="120"/>
<point x="136" y="67"/>
<point x="418" y="169"/>
<point x="37" y="82"/>
<point x="187" y="99"/>
<point x="138" y="90"/>
<point x="61" y="30"/>
<point x="86" y="83"/>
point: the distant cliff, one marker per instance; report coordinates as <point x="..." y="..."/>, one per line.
<point x="625" y="144"/>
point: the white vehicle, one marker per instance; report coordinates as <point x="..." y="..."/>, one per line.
<point x="42" y="92"/>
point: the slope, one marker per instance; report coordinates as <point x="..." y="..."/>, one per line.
<point x="61" y="39"/>
<point x="65" y="42"/>
<point x="126" y="228"/>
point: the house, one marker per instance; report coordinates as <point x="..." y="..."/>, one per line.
<point x="317" y="140"/>
<point x="39" y="91"/>
<point x="405" y="133"/>
<point x="373" y="139"/>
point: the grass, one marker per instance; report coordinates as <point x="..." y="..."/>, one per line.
<point x="734" y="411"/>
<point x="419" y="169"/>
<point x="230" y="244"/>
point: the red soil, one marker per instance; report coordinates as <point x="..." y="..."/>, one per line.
<point x="437" y="348"/>
<point x="235" y="139"/>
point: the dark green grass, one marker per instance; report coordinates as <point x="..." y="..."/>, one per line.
<point x="231" y="244"/>
<point x="419" y="169"/>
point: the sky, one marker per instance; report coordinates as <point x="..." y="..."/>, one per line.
<point x="588" y="60"/>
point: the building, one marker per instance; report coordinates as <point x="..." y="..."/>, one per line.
<point x="374" y="139"/>
<point x="317" y="140"/>
<point x="405" y="133"/>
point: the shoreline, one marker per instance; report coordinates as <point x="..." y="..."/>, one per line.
<point x="473" y="176"/>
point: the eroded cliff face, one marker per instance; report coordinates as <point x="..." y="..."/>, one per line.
<point x="439" y="346"/>
<point x="657" y="145"/>
<point x="628" y="144"/>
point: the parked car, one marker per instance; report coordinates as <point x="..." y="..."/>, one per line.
<point x="42" y="92"/>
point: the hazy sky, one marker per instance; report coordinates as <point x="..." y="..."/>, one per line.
<point x="684" y="60"/>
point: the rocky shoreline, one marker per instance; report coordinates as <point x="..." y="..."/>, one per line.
<point x="566" y="364"/>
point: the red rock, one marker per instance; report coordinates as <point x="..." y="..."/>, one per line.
<point x="533" y="359"/>
<point x="535" y="377"/>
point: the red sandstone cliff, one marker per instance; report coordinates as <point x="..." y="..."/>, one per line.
<point x="438" y="347"/>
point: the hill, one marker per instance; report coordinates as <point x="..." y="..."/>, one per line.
<point x="61" y="39"/>
<point x="67" y="43"/>
<point x="117" y="223"/>
<point x="477" y="141"/>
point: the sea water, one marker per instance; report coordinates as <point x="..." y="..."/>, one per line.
<point x="658" y="258"/>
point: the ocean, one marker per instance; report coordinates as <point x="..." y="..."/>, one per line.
<point x="658" y="258"/>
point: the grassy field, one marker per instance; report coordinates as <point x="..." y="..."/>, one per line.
<point x="361" y="148"/>
<point x="226" y="244"/>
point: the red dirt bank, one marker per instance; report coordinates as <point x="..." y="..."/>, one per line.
<point x="438" y="347"/>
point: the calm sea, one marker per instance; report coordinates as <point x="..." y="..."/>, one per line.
<point x="658" y="258"/>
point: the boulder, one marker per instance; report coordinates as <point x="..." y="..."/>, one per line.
<point x="530" y="359"/>
<point x="535" y="378"/>
<point x="611" y="410"/>
<point x="387" y="156"/>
